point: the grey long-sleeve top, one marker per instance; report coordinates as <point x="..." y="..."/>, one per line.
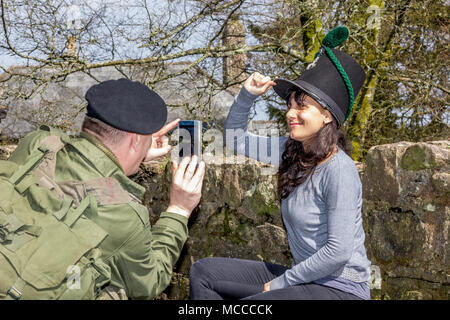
<point x="322" y="215"/>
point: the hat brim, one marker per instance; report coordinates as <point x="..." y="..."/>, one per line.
<point x="284" y="87"/>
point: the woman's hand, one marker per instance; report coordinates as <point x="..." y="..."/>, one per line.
<point x="258" y="84"/>
<point x="267" y="287"/>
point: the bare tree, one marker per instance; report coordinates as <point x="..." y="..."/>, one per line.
<point x="189" y="45"/>
<point x="402" y="45"/>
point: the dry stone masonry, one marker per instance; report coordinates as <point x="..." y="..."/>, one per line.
<point x="405" y="212"/>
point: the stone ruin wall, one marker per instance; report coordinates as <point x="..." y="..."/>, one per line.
<point x="405" y="216"/>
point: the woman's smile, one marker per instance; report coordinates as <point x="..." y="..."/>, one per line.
<point x="305" y="116"/>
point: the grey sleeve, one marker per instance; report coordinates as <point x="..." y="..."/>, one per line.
<point x="238" y="139"/>
<point x="341" y="194"/>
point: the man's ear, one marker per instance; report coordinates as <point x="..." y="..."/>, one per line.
<point x="134" y="141"/>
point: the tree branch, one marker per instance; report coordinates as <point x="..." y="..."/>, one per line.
<point x="420" y="81"/>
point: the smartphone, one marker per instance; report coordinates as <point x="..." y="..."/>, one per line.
<point x="190" y="139"/>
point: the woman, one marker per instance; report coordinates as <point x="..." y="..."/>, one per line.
<point x="319" y="188"/>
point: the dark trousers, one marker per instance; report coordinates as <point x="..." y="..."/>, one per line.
<point x="228" y="278"/>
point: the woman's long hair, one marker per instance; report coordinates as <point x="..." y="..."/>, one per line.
<point x="298" y="162"/>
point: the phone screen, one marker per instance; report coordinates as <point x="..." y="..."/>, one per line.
<point x="190" y="139"/>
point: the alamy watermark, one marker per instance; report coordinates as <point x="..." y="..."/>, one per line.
<point x="73" y="17"/>
<point x="220" y="148"/>
<point x="374" y="20"/>
<point x="74" y="277"/>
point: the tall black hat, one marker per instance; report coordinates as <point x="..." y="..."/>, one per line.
<point x="333" y="79"/>
<point x="127" y="105"/>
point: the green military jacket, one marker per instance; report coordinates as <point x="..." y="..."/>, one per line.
<point x="141" y="257"/>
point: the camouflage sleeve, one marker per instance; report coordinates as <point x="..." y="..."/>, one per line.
<point x="147" y="259"/>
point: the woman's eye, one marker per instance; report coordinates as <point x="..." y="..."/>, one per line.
<point x="297" y="107"/>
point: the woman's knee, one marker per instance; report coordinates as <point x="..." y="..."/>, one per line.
<point x="199" y="269"/>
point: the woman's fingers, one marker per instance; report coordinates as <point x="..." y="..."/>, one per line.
<point x="258" y="84"/>
<point x="261" y="81"/>
<point x="268" y="85"/>
<point x="249" y="83"/>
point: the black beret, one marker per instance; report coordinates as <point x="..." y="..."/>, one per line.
<point x="127" y="105"/>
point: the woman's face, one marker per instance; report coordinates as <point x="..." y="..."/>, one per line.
<point x="306" y="117"/>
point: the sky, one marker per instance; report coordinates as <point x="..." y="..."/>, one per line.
<point x="7" y="61"/>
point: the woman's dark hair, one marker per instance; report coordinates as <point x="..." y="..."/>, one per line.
<point x="298" y="162"/>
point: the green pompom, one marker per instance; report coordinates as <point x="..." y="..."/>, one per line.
<point x="335" y="37"/>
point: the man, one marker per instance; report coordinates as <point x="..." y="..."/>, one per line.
<point x="125" y="126"/>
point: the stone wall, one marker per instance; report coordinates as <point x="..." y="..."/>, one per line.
<point x="406" y="218"/>
<point x="405" y="214"/>
<point x="238" y="216"/>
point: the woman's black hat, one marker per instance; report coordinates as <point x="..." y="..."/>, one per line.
<point x="333" y="79"/>
<point x="127" y="105"/>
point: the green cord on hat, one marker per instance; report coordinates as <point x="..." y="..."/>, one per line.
<point x="344" y="75"/>
<point x="334" y="38"/>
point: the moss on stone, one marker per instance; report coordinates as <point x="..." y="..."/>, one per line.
<point x="236" y="229"/>
<point x="163" y="165"/>
<point x="417" y="158"/>
<point x="259" y="204"/>
<point x="227" y="230"/>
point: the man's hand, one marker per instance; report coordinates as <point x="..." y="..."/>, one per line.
<point x="160" y="142"/>
<point x="186" y="189"/>
<point x="267" y="287"/>
<point x="258" y="84"/>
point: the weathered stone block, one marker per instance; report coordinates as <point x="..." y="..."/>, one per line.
<point x="405" y="216"/>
